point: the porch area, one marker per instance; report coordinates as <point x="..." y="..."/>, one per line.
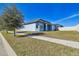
<point x="44" y="27"/>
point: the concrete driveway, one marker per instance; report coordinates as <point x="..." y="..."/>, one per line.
<point x="72" y="44"/>
<point x="2" y="50"/>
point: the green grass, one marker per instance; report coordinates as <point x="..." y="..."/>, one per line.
<point x="33" y="47"/>
<point x="68" y="35"/>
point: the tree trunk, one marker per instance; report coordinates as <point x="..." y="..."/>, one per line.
<point x="6" y="31"/>
<point x="14" y="32"/>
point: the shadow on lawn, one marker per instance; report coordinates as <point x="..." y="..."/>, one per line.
<point x="32" y="34"/>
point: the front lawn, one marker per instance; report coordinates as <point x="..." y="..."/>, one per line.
<point x="33" y="47"/>
<point x="68" y="35"/>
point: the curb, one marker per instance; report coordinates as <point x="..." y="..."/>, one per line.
<point x="7" y="47"/>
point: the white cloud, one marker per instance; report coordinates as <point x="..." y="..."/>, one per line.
<point x="69" y="17"/>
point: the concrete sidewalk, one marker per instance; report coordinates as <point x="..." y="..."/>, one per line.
<point x="2" y="49"/>
<point x="8" y="49"/>
<point x="72" y="44"/>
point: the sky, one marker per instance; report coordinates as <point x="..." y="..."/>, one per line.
<point x="66" y="14"/>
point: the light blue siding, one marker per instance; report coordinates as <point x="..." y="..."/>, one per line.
<point x="36" y="27"/>
<point x="40" y="27"/>
<point x="29" y="27"/>
<point x="53" y="27"/>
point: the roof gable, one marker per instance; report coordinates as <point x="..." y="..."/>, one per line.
<point x="39" y="20"/>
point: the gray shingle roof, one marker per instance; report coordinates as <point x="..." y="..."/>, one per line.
<point x="39" y="20"/>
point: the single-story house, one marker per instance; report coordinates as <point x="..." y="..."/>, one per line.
<point x="38" y="25"/>
<point x="72" y="28"/>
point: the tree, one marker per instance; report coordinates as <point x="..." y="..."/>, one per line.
<point x="12" y="17"/>
<point x="1" y="23"/>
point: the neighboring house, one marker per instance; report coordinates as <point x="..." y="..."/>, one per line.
<point x="38" y="25"/>
<point x="57" y="26"/>
<point x="73" y="28"/>
<point x="77" y="27"/>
